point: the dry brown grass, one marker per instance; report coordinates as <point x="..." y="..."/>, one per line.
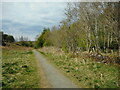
<point x="13" y="46"/>
<point x="83" y="69"/>
<point x="19" y="68"/>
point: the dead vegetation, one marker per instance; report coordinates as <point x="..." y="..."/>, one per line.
<point x="85" y="70"/>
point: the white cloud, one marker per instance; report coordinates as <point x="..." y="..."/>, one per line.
<point x="24" y="16"/>
<point x="60" y="0"/>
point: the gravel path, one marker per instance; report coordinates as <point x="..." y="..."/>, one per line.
<point x="54" y="77"/>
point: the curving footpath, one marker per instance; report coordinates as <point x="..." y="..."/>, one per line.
<point x="54" y="77"/>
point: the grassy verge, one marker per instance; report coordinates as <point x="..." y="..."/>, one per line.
<point x="84" y="70"/>
<point x="19" y="69"/>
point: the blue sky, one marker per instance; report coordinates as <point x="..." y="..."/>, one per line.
<point x="29" y="18"/>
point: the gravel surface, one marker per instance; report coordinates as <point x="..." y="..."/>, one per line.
<point x="54" y="77"/>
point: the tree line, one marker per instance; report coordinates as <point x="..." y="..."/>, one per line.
<point x="22" y="41"/>
<point x="89" y="26"/>
<point x="6" y="38"/>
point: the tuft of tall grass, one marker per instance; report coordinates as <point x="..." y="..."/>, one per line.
<point x="19" y="69"/>
<point x="85" y="71"/>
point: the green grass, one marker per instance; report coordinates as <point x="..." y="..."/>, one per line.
<point x="0" y="67"/>
<point x="85" y="71"/>
<point x="19" y="69"/>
